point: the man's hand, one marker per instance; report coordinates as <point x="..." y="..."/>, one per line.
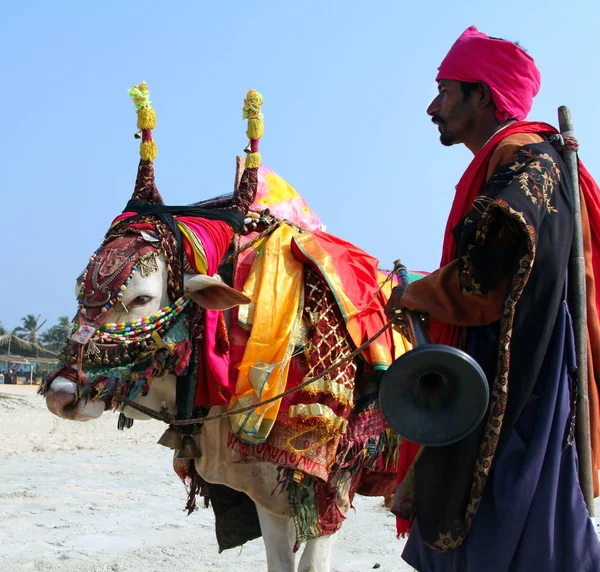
<point x="393" y="307"/>
<point x="394" y="303"/>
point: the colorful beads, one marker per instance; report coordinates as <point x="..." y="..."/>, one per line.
<point x="142" y="328"/>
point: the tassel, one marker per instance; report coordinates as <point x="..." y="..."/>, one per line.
<point x="256" y="127"/>
<point x="252" y="113"/>
<point x="146" y="120"/>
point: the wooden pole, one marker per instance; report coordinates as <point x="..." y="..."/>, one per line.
<point x="578" y="305"/>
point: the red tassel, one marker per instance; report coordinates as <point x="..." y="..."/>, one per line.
<point x="222" y="335"/>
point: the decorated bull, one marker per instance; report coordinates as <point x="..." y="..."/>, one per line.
<point x="203" y="316"/>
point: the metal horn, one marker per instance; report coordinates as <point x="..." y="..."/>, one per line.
<point x="434" y="394"/>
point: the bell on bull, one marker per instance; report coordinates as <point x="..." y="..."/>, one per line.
<point x="433" y="395"/>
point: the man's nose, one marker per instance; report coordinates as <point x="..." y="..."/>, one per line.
<point x="434" y="107"/>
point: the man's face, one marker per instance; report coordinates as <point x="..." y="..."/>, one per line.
<point x="452" y="112"/>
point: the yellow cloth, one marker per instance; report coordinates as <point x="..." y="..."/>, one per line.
<point x="276" y="286"/>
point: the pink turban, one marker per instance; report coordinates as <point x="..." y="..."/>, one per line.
<point x="507" y="69"/>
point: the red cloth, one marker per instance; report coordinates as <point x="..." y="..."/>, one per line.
<point x="406" y="456"/>
<point x="591" y="196"/>
<point x="467" y="190"/>
<point x="507" y="69"/>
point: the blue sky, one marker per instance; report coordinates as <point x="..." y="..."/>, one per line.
<point x="345" y="85"/>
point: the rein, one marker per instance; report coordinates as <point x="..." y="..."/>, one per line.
<point x="170" y="419"/>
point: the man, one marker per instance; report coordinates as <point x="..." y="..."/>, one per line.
<point x="507" y="497"/>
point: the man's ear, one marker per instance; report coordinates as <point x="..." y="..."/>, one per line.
<point x="484" y="95"/>
<point x="211" y="293"/>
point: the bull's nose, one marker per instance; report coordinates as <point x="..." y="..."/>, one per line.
<point x="61" y="398"/>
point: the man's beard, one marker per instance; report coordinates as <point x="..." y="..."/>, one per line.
<point x="447" y="139"/>
<point x="461" y="119"/>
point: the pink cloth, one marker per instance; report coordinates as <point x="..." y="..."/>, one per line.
<point x="215" y="236"/>
<point x="507" y="69"/>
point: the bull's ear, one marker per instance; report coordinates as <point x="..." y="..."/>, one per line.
<point x="210" y="293"/>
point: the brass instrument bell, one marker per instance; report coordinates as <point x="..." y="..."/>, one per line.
<point x="434" y="394"/>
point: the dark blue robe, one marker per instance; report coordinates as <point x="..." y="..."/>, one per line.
<point x="532" y="516"/>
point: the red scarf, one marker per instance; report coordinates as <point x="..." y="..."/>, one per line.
<point x="467" y="190"/>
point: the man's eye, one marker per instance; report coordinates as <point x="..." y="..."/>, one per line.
<point x="141" y="300"/>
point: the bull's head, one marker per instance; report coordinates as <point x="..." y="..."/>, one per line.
<point x="142" y="296"/>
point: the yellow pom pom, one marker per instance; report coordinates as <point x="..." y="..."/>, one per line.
<point x="148" y="151"/>
<point x="140" y="95"/>
<point x="252" y="105"/>
<point x="256" y="128"/>
<point x="146" y="118"/>
<point x="253" y="160"/>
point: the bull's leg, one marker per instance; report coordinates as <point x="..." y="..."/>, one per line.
<point x="317" y="554"/>
<point x="279" y="536"/>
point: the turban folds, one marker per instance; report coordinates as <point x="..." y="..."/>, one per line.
<point x="507" y="69"/>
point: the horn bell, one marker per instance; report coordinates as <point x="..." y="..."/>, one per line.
<point x="434" y="395"/>
<point x="171" y="438"/>
<point x="189" y="449"/>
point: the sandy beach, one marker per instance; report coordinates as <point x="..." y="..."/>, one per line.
<point x="86" y="497"/>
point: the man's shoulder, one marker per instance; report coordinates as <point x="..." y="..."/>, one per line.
<point x="519" y="140"/>
<point x="508" y="147"/>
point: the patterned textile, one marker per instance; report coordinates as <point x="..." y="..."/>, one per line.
<point x="109" y="268"/>
<point x="328" y="343"/>
<point x="365" y="462"/>
<point x="353" y="277"/>
<point x="166" y="243"/>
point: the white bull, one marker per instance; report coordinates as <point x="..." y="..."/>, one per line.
<point x="145" y="296"/>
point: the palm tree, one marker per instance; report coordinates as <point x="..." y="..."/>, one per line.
<point x="2" y="330"/>
<point x="54" y="338"/>
<point x="30" y="328"/>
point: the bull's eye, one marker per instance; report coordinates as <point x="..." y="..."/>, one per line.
<point x="141" y="300"/>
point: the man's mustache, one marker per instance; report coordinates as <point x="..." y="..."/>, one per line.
<point x="438" y="120"/>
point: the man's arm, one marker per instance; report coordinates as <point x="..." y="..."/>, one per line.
<point x="441" y="296"/>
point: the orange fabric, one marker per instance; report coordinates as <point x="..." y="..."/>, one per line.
<point x="593" y="323"/>
<point x="507" y="148"/>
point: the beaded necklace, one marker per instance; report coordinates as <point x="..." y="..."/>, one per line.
<point x="141" y="329"/>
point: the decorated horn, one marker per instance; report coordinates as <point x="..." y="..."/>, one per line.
<point x="245" y="193"/>
<point x="434" y="394"/>
<point x="145" y="186"/>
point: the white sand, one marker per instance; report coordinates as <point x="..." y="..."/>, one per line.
<point x="86" y="497"/>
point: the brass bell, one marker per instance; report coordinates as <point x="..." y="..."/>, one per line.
<point x="189" y="449"/>
<point x="171" y="438"/>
